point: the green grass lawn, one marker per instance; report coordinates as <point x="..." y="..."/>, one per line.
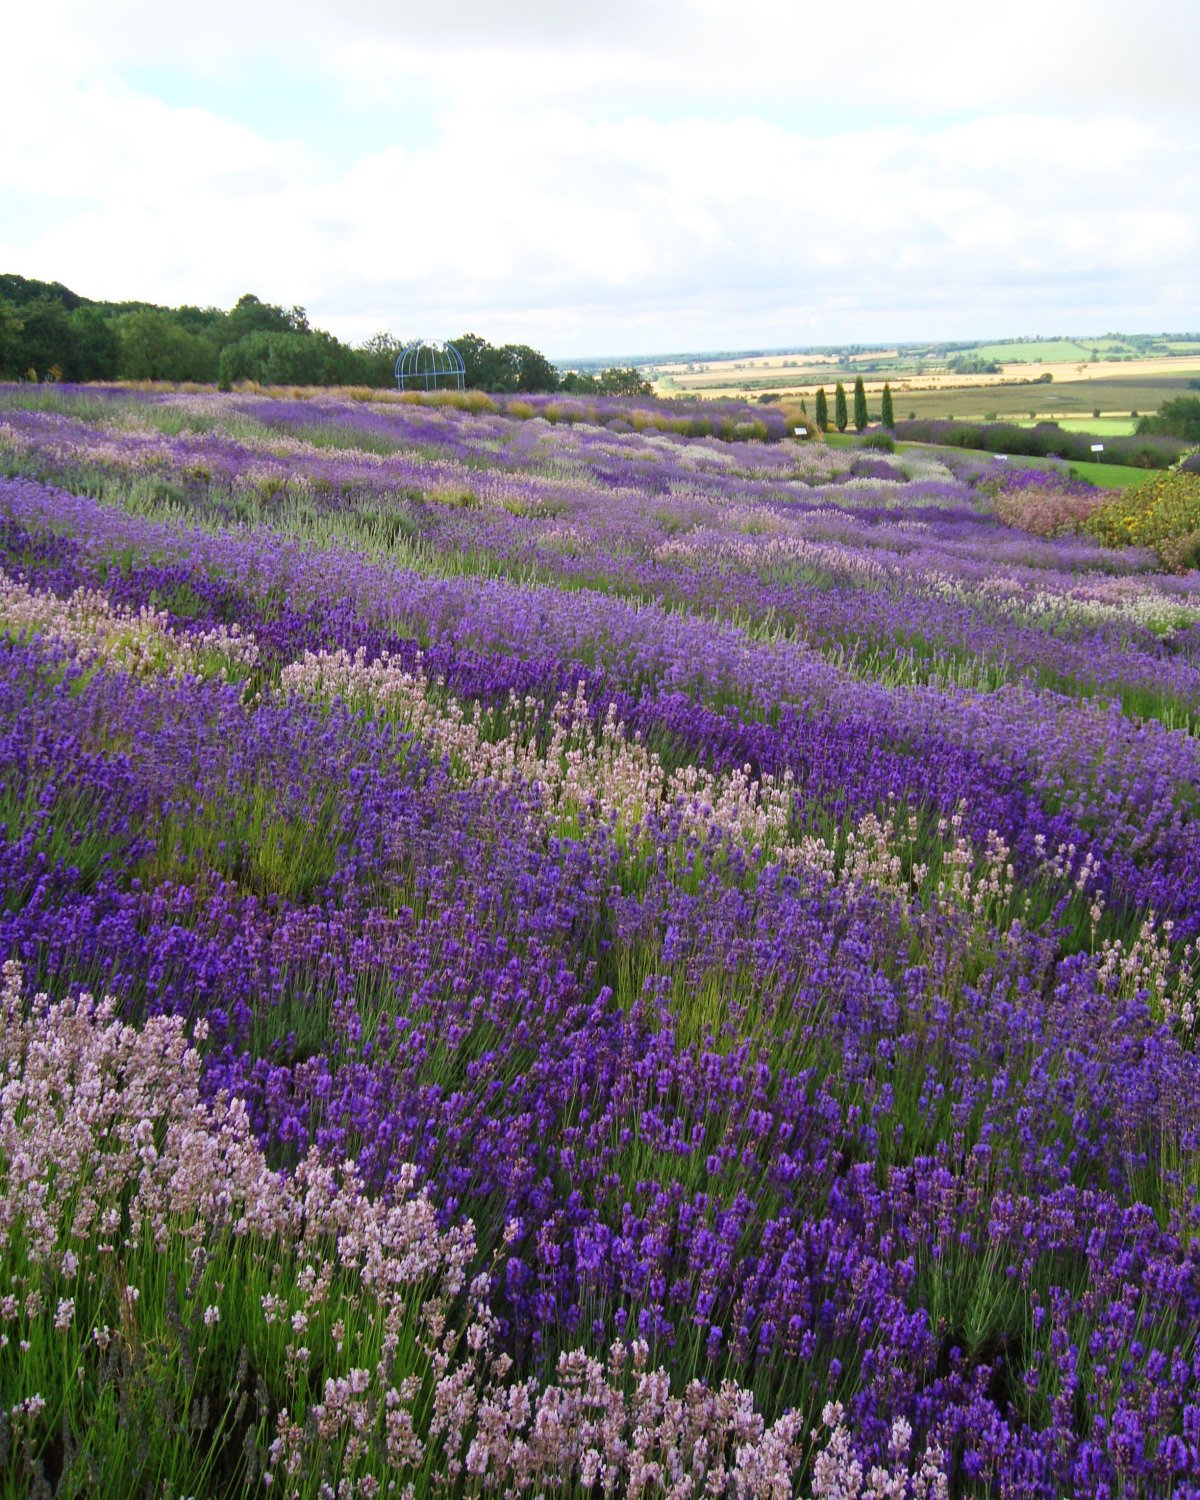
<point x="1105" y="476"/>
<point x="1110" y="476"/>
<point x="1101" y="426"/>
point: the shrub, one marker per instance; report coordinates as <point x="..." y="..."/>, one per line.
<point x="1162" y="512"/>
<point x="883" y="441"/>
<point x="795" y="416"/>
<point x="1041" y="502"/>
<point x="1180" y="553"/>
<point x="1178" y="418"/>
<point x="865" y="467"/>
<point x="1045" y="440"/>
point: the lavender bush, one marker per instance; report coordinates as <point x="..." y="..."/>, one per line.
<point x="632" y="964"/>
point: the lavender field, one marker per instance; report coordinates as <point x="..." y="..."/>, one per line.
<point x="550" y="955"/>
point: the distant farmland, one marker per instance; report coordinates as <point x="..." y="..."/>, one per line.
<point x="1073" y="387"/>
<point x="1048" y="351"/>
<point x="1113" y="396"/>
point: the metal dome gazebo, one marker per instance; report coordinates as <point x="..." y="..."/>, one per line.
<point x="425" y="365"/>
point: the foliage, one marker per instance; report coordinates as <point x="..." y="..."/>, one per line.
<point x="1162" y="512"/>
<point x="1179" y="418"/>
<point x="48" y="332"/>
<point x="1045" y="440"/>
<point x="615" y="381"/>
<point x="509" y="367"/>
<point x="153" y="346"/>
<point x="45" y="343"/>
<point x="278" y="358"/>
<point x="841" y="415"/>
<point x="11" y="328"/>
<point x="887" y="412"/>
<point x="973" y="364"/>
<point x="1040" y="502"/>
<point x="251" y="315"/>
<point x="95" y="345"/>
<point x="822" y="410"/>
<point x="860" y="404"/>
<point x="22" y="290"/>
<point x="375" y="359"/>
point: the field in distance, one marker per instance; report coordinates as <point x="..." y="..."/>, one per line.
<point x="1034" y="380"/>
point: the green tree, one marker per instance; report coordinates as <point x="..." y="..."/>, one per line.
<point x="860" y="404"/>
<point x="10" y="341"/>
<point x="887" y="415"/>
<point x="488" y="368"/>
<point x="313" y="358"/>
<point x="534" y="370"/>
<point x="46" y="345"/>
<point x="822" y="410"/>
<point x="251" y="315"/>
<point x="973" y="364"/>
<point x="22" y="290"/>
<point x="95" y="348"/>
<point x="512" y="367"/>
<point x="841" y="415"/>
<point x="154" y="347"/>
<point x="373" y="362"/>
<point x="623" y="382"/>
<point x="1179" y="418"/>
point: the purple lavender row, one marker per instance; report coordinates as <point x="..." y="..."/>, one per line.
<point x="796" y="1134"/>
<point x="1032" y="765"/>
<point x="951" y="588"/>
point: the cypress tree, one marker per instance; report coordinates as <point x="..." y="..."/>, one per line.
<point x="888" y="416"/>
<point x="822" y="411"/>
<point x="860" y="404"/>
<point x="840" y="415"/>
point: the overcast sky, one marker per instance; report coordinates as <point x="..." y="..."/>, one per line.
<point x="616" y="178"/>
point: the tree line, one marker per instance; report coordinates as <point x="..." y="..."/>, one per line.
<point x="48" y="332"/>
<point x="841" y="410"/>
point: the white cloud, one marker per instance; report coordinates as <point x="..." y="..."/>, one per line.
<point x="930" y="55"/>
<point x="629" y="178"/>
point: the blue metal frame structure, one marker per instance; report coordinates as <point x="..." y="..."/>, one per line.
<point x="430" y="366"/>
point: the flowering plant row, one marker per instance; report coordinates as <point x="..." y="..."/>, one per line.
<point x="632" y="964"/>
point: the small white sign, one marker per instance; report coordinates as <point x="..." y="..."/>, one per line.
<point x="801" y="431"/>
<point x="1097" y="447"/>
